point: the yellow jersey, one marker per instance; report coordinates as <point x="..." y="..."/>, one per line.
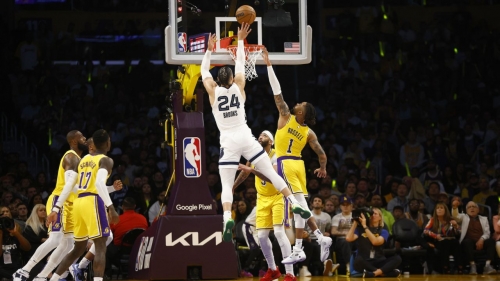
<point x="263" y="187"/>
<point x="87" y="173"/>
<point x="61" y="180"/>
<point x="291" y="139"/>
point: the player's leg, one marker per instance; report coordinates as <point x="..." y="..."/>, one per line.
<point x="57" y="256"/>
<point x="278" y="214"/>
<point x="100" y="257"/>
<point x="77" y="251"/>
<point x="228" y="165"/>
<point x="55" y="236"/>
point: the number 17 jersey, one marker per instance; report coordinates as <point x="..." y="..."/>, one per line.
<point x="229" y="108"/>
<point x="87" y="173"/>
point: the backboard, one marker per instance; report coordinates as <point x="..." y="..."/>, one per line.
<point x="281" y="26"/>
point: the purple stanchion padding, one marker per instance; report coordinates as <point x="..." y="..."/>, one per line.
<point x="191" y="232"/>
<point x="173" y="243"/>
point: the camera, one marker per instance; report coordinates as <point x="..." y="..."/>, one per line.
<point x="356" y="214"/>
<point x="7" y="223"/>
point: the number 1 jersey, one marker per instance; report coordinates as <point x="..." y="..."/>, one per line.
<point x="229" y="108"/>
<point x="87" y="173"/>
<point x="291" y="139"/>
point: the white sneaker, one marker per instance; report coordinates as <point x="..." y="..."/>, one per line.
<point x="20" y="275"/>
<point x="40" y="279"/>
<point x="297" y="255"/>
<point x="304" y="272"/>
<point x="325" y="244"/>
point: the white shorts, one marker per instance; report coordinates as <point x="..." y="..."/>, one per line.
<point x="236" y="143"/>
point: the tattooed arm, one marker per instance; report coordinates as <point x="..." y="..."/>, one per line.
<point x="312" y="139"/>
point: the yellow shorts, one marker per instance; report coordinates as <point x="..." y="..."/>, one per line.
<point x="64" y="220"/>
<point x="293" y="172"/>
<point x="270" y="211"/>
<point x="90" y="217"/>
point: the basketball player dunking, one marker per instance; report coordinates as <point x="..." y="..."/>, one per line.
<point x="92" y="195"/>
<point x="61" y="228"/>
<point x="236" y="139"/>
<point x="291" y="137"/>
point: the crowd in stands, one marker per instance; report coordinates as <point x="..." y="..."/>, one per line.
<point x="408" y="115"/>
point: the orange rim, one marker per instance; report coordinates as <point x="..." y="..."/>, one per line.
<point x="248" y="48"/>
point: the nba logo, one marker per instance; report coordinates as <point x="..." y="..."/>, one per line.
<point x="182" y="42"/>
<point x="192" y="157"/>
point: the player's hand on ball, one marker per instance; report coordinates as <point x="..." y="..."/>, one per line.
<point x="243" y="31"/>
<point x="117" y="185"/>
<point x="211" y="42"/>
<point x="51" y="218"/>
<point x="320" y="173"/>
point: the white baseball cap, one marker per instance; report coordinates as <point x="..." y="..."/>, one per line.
<point x="268" y="134"/>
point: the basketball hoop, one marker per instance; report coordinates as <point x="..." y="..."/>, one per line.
<point x="252" y="51"/>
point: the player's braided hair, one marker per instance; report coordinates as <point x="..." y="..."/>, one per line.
<point x="225" y="73"/>
<point x="310" y="117"/>
<point x="100" y="138"/>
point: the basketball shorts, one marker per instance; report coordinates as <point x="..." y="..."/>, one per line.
<point x="270" y="211"/>
<point x="237" y="143"/>
<point x="90" y="217"/>
<point x="293" y="171"/>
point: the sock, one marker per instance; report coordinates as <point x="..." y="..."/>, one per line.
<point x="488" y="262"/>
<point x="298" y="243"/>
<point x="65" y="274"/>
<point x="49" y="267"/>
<point x="31" y="263"/>
<point x="292" y="199"/>
<point x="83" y="263"/>
<point x="318" y="234"/>
<point x="55" y="277"/>
<point x="227" y="215"/>
<point x="289" y="269"/>
<point x="97" y="278"/>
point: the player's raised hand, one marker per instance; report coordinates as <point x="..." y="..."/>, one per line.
<point x="117" y="185"/>
<point x="265" y="57"/>
<point x="243" y="31"/>
<point x="211" y="42"/>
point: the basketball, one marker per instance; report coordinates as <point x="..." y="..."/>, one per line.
<point x="246" y="14"/>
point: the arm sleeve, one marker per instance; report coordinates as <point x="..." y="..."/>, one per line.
<point x="70" y="178"/>
<point x="240" y="58"/>
<point x="273" y="80"/>
<point x="110" y="188"/>
<point x="102" y="174"/>
<point x="205" y="66"/>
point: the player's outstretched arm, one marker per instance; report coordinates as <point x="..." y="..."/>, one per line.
<point x="312" y="139"/>
<point x="70" y="165"/>
<point x="239" y="67"/>
<point x="276" y="87"/>
<point x="242" y="176"/>
<point x="208" y="80"/>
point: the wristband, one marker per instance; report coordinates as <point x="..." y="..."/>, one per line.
<point x="56" y="209"/>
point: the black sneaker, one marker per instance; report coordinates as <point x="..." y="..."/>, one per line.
<point x="368" y="274"/>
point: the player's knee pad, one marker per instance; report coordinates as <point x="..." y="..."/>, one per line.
<point x="299" y="221"/>
<point x="227" y="181"/>
<point x="54" y="239"/>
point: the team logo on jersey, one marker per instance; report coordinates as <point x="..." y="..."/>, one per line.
<point x="192" y="157"/>
<point x="106" y="230"/>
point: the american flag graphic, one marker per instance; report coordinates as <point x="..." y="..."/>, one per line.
<point x="292" y="47"/>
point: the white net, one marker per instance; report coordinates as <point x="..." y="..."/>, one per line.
<point x="252" y="52"/>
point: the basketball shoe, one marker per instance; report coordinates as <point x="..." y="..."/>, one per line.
<point x="271" y="275"/>
<point x="299" y="210"/>
<point x="76" y="272"/>
<point x="325" y="244"/>
<point x="228" y="230"/>
<point x="297" y="255"/>
<point x="290" y="277"/>
<point x="20" y="275"/>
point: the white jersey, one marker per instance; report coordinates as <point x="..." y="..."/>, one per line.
<point x="229" y="108"/>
